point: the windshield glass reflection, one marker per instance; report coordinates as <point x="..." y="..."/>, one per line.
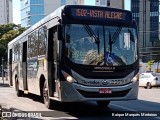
<point x="100" y="45"/>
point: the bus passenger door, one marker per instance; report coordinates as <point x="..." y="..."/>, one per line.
<point x="52" y="66"/>
<point x="10" y="68"/>
<point x="51" y="82"/>
<point x="24" y="66"/>
<point x="55" y="64"/>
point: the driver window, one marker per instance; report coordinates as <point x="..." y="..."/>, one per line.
<point x="124" y="39"/>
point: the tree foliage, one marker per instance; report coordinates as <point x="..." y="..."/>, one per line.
<point x="149" y="64"/>
<point x="7" y="33"/>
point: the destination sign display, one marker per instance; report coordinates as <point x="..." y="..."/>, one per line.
<point x="98" y="13"/>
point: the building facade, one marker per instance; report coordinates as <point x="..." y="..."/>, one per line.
<point x="110" y="3"/>
<point x="6" y="15"/>
<point x="33" y="11"/>
<point x="81" y="2"/>
<point x="146" y="14"/>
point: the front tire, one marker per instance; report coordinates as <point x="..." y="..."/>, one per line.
<point x="46" y="99"/>
<point x="103" y="103"/>
<point x="19" y="93"/>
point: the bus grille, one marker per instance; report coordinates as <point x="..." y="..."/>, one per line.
<point x="98" y="95"/>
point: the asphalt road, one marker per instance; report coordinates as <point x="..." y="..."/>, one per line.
<point x="148" y="104"/>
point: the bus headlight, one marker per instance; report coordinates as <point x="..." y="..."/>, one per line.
<point x="136" y="78"/>
<point x="69" y="78"/>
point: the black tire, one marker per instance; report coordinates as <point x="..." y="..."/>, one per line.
<point x="46" y="99"/>
<point x="103" y="103"/>
<point x="19" y="93"/>
<point x="149" y="86"/>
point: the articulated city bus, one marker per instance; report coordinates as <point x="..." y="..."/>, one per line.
<point x="77" y="53"/>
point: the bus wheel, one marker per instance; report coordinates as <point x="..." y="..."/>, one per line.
<point x="47" y="100"/>
<point x="103" y="103"/>
<point x="18" y="92"/>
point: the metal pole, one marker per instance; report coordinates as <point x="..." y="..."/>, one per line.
<point x="2" y="71"/>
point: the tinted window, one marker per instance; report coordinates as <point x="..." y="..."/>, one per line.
<point x="17" y="52"/>
<point x="33" y="44"/>
<point x="42" y="35"/>
<point x="145" y="76"/>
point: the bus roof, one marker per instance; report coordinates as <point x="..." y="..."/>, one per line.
<point x="56" y="13"/>
<point x="70" y="9"/>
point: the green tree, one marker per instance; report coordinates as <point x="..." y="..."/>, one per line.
<point x="149" y="64"/>
<point x="7" y="33"/>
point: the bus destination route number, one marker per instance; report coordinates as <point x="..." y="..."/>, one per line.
<point x="103" y="14"/>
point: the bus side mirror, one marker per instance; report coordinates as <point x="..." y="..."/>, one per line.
<point x="59" y="32"/>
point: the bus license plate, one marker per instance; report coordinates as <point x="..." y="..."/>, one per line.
<point x="105" y="90"/>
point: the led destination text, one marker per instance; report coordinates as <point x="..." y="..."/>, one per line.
<point x="100" y="14"/>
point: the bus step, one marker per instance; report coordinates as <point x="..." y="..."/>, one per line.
<point x="25" y="91"/>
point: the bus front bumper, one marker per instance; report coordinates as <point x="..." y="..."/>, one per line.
<point x="76" y="92"/>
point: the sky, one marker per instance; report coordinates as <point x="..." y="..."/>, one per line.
<point x="16" y="11"/>
<point x="89" y="2"/>
<point x="16" y="8"/>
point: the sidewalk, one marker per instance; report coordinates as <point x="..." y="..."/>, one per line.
<point x="4" y="107"/>
<point x="4" y="82"/>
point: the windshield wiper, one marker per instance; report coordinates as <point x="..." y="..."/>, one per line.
<point x="110" y="42"/>
<point x="92" y="35"/>
<point x="114" y="38"/>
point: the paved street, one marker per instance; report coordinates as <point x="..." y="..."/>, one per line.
<point x="148" y="100"/>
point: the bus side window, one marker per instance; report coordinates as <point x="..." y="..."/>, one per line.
<point x="52" y="45"/>
<point x="42" y="36"/>
<point x="17" y="50"/>
<point x="32" y="44"/>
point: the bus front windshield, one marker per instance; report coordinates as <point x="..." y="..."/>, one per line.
<point x="100" y="45"/>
